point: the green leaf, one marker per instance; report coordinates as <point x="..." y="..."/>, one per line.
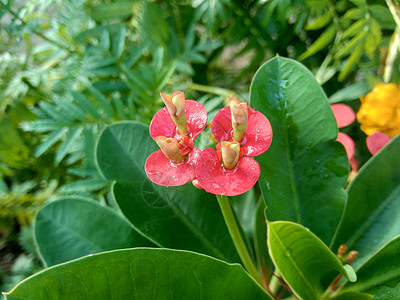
<point x="141" y="274"/>
<point x="323" y="41"/>
<point x="304" y="170"/>
<point x="353" y="296"/>
<point x="382" y="14"/>
<point x="355" y="13"/>
<point x="260" y="242"/>
<point x="113" y="10"/>
<point x="373" y="39"/>
<point x="360" y="3"/>
<point x="371" y="216"/>
<point x="69" y="141"/>
<point x="158" y="212"/>
<point x="350" y="92"/>
<point x="103" y="102"/>
<point x="319" y="22"/>
<point x="354" y="29"/>
<point x="350" y="46"/>
<point x="351" y="62"/>
<point x="70" y="228"/>
<point x="50" y="140"/>
<point x="304" y="261"/>
<point x="87" y="105"/>
<point x="380" y="275"/>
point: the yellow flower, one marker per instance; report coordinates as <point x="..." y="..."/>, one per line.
<point x="380" y="110"/>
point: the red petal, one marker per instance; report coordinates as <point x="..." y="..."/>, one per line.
<point x="344" y="114"/>
<point x="162" y="171"/>
<point x="162" y="124"/>
<point x="215" y="179"/>
<point x="257" y="137"/>
<point x="376" y="141"/>
<point x="348" y="144"/>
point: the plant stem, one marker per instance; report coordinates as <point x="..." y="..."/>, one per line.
<point x="233" y="228"/>
<point x="275" y="283"/>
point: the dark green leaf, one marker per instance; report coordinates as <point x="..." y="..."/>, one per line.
<point x="371" y="216"/>
<point x="304" y="170"/>
<point x="141" y="274"/>
<point x="73" y="227"/>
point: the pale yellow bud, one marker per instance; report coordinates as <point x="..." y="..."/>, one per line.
<point x="230" y="154"/>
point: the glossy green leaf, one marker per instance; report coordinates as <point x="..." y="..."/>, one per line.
<point x="181" y="217"/>
<point x="323" y="41"/>
<point x="304" y="261"/>
<point x="141" y="274"/>
<point x="371" y="216"/>
<point x="304" y="170"/>
<point x="380" y="275"/>
<point x="70" y="228"/>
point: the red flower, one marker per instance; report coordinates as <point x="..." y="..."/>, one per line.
<point x="345" y="116"/>
<point x="174" y="128"/>
<point x="376" y="141"/>
<point x="241" y="130"/>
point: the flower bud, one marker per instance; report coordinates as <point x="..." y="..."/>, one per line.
<point x="239" y="116"/>
<point x="175" y="104"/>
<point x="230" y="154"/>
<point x="170" y="148"/>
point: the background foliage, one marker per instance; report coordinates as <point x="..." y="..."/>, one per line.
<point x="68" y="68"/>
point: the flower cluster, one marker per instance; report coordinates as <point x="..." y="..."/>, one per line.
<point x="380" y="110"/>
<point x="241" y="131"/>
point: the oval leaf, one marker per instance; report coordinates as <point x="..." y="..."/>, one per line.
<point x="304" y="170"/>
<point x="141" y="274"/>
<point x="304" y="261"/>
<point x="73" y="227"/>
<point x="182" y="217"/>
<point x="371" y="216"/>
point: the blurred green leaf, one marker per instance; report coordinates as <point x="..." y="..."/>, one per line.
<point x="370" y="217"/>
<point x="323" y="41"/>
<point x="73" y="227"/>
<point x="113" y="10"/>
<point x="124" y="274"/>
<point x="351" y="62"/>
<point x="319" y="22"/>
<point x="351" y="92"/>
<point x="354" y="29"/>
<point x="304" y="167"/>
